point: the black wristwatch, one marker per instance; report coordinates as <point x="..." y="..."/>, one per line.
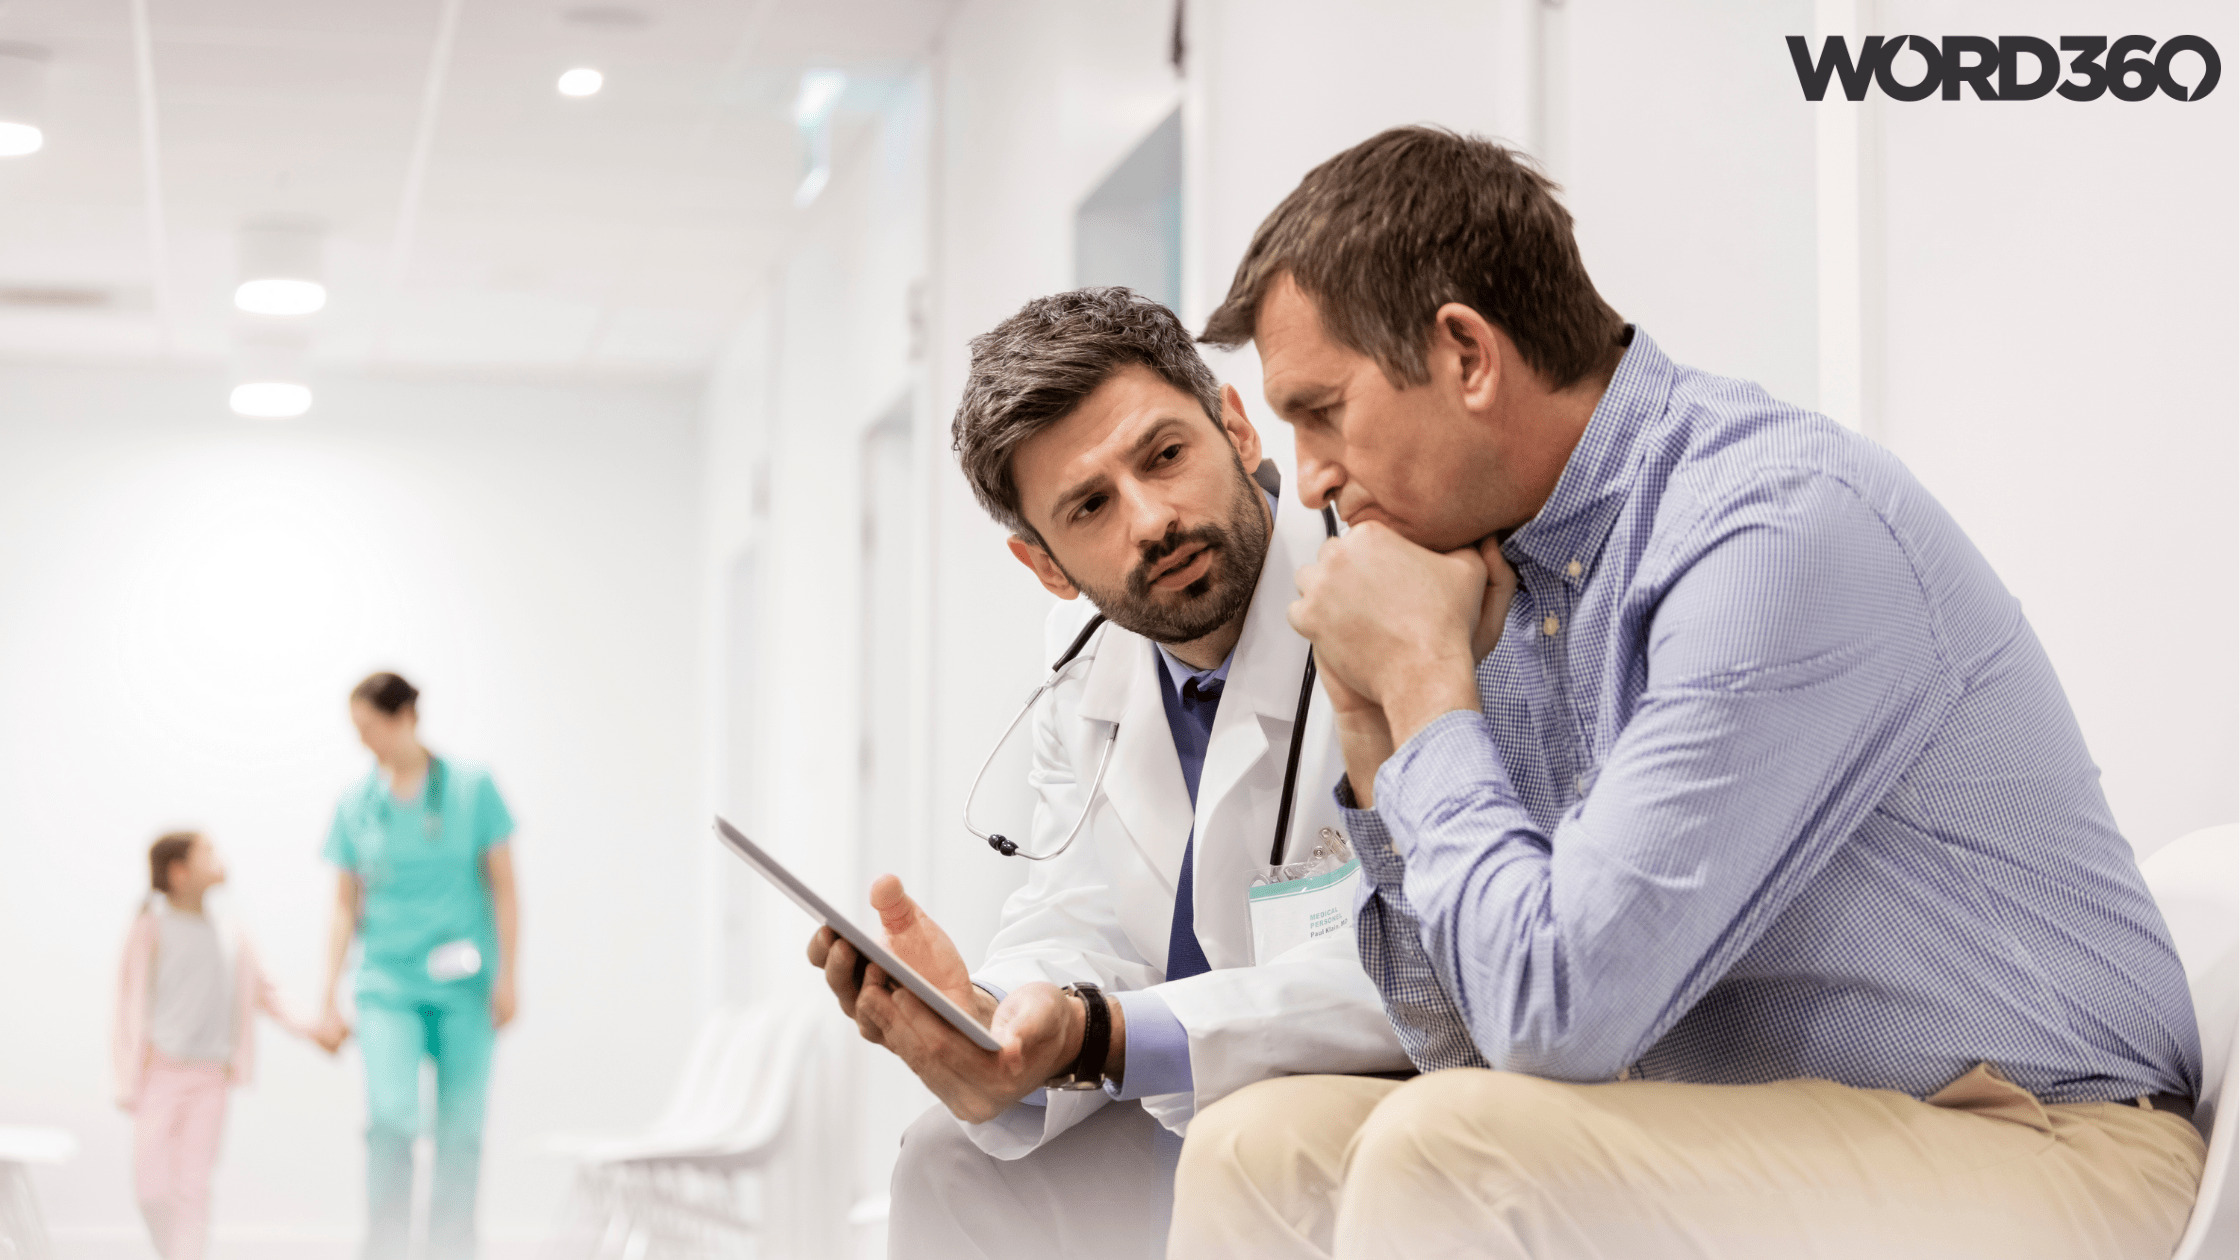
<point x="1087" y="1070"/>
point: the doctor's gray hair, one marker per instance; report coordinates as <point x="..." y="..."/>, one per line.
<point x="1033" y="369"/>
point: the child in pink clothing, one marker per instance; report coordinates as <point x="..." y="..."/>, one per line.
<point x="186" y="1000"/>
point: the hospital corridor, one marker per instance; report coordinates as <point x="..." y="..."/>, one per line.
<point x="833" y="629"/>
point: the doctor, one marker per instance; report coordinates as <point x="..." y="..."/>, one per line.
<point x="1123" y="981"/>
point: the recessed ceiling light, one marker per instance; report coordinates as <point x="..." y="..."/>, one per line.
<point x="280" y="295"/>
<point x="582" y="81"/>
<point x="271" y="400"/>
<point x="23" y="76"/>
<point x="819" y="91"/>
<point x="279" y="267"/>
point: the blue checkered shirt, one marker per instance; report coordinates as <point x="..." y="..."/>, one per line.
<point x="1772" y="781"/>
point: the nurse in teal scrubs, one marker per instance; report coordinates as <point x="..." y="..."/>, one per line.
<point x="427" y="887"/>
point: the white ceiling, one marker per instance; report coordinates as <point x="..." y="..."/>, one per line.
<point x="619" y="233"/>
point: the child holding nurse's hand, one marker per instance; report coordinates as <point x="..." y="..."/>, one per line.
<point x="186" y="1002"/>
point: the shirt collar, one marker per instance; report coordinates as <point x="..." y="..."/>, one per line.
<point x="1180" y="673"/>
<point x="1571" y="526"/>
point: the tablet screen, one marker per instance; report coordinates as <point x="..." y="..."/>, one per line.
<point x="865" y="943"/>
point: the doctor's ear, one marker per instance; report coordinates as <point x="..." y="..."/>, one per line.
<point x="1238" y="428"/>
<point x="1046" y="570"/>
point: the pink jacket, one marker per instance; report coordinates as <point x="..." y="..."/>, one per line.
<point x="253" y="991"/>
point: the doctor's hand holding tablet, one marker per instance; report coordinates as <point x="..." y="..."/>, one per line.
<point x="908" y="990"/>
<point x="1040" y="1027"/>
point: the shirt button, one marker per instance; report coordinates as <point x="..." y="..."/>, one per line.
<point x="1580" y="784"/>
<point x="1573" y="570"/>
<point x="1551" y="625"/>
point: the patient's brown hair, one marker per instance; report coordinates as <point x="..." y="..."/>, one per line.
<point x="169" y="848"/>
<point x="1384" y="234"/>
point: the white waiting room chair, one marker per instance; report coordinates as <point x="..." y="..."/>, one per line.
<point x="23" y="1230"/>
<point x="695" y="1183"/>
<point x="2196" y="881"/>
<point x="715" y="1070"/>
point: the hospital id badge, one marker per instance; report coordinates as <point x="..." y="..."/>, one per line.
<point x="1289" y="914"/>
<point x="454" y="961"/>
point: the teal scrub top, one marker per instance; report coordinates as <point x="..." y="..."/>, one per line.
<point x="419" y="864"/>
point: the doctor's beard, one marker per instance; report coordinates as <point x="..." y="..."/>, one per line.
<point x="1236" y="548"/>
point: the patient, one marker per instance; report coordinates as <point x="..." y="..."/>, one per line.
<point x="185" y="1033"/>
<point x="1738" y="874"/>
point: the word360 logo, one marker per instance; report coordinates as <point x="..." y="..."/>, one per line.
<point x="2129" y="69"/>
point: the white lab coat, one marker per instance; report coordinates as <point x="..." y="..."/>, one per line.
<point x="1102" y="911"/>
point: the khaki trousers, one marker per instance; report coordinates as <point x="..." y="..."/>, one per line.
<point x="1471" y="1162"/>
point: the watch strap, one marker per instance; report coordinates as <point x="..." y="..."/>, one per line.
<point x="1087" y="1069"/>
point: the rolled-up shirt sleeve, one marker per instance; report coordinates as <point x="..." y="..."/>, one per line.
<point x="1766" y="731"/>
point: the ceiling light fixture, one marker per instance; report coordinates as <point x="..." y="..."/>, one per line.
<point x="819" y="91"/>
<point x="278" y="295"/>
<point x="582" y="81"/>
<point x="270" y="400"/>
<point x="813" y="103"/>
<point x="280" y="268"/>
<point x="269" y="380"/>
<point x="23" y="81"/>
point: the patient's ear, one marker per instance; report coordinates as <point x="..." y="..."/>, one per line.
<point x="1046" y="570"/>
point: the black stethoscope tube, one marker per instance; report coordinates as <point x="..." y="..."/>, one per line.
<point x="1080" y="641"/>
<point x="1298" y="731"/>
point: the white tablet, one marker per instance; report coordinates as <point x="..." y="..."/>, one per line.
<point x="867" y="945"/>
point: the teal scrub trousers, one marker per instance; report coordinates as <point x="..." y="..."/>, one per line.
<point x="394" y="1035"/>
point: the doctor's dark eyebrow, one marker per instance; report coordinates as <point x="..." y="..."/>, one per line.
<point x="1150" y="437"/>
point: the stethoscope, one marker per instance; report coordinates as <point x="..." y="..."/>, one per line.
<point x="431" y="801"/>
<point x="1058" y="668"/>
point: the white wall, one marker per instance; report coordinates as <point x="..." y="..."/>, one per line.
<point x="185" y="601"/>
<point x="1686" y="154"/>
<point x="2061" y="320"/>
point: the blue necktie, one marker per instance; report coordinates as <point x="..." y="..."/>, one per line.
<point x="1190" y="718"/>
